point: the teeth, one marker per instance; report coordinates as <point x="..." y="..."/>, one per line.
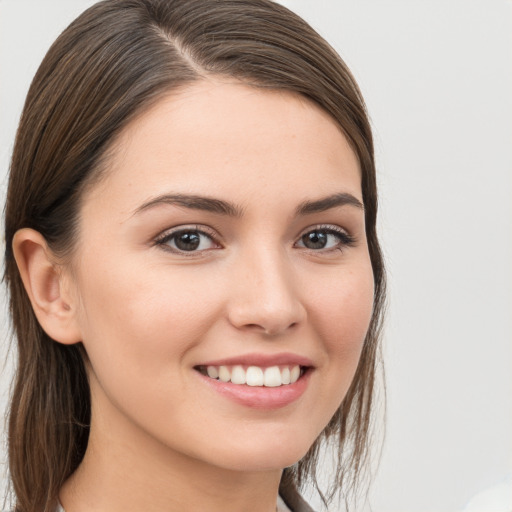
<point x="273" y="376"/>
<point x="238" y="375"/>
<point x="224" y="374"/>
<point x="294" y="374"/>
<point x="212" y="372"/>
<point x="254" y="376"/>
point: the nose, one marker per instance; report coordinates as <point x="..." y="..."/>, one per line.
<point x="265" y="299"/>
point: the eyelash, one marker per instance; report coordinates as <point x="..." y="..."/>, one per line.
<point x="344" y="238"/>
<point x="164" y="239"/>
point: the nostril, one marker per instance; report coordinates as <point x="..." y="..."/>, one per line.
<point x="266" y="317"/>
<point x="267" y="328"/>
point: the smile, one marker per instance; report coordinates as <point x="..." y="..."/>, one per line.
<point x="255" y="376"/>
<point x="258" y="381"/>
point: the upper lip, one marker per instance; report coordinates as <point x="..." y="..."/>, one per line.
<point x="262" y="360"/>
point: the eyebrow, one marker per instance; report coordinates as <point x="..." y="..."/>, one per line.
<point x="222" y="207"/>
<point x="326" y="203"/>
<point x="194" y="202"/>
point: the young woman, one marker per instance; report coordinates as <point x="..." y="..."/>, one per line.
<point x="195" y="280"/>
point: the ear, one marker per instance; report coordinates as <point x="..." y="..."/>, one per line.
<point x="47" y="285"/>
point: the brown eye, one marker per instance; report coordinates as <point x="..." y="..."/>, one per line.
<point x="315" y="240"/>
<point x="325" y="239"/>
<point x="187" y="240"/>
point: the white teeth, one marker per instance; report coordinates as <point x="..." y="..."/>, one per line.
<point x="224" y="374"/>
<point x="272" y="377"/>
<point x="212" y="372"/>
<point x="254" y="376"/>
<point x="294" y="374"/>
<point x="238" y="375"/>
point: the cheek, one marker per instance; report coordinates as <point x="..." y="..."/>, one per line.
<point x="138" y="323"/>
<point x="340" y="314"/>
<point x="343" y="309"/>
<point x="149" y="320"/>
<point x="138" y="334"/>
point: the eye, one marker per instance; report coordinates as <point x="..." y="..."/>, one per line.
<point x="325" y="238"/>
<point x="187" y="240"/>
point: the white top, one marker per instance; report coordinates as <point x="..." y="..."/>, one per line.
<point x="281" y="505"/>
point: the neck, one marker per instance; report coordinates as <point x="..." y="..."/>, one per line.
<point x="127" y="470"/>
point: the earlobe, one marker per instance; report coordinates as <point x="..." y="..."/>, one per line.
<point x="44" y="282"/>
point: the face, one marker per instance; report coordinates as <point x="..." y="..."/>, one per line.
<point x="226" y="244"/>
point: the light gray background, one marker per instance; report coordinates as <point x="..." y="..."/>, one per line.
<point x="437" y="77"/>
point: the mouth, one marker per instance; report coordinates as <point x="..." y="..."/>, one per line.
<point x="258" y="381"/>
<point x="254" y="376"/>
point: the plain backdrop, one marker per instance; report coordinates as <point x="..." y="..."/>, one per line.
<point x="437" y="77"/>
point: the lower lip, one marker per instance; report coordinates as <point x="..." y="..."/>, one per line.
<point x="260" y="397"/>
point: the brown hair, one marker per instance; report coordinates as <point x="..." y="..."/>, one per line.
<point x="109" y="65"/>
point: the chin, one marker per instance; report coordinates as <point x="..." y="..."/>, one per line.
<point x="265" y="455"/>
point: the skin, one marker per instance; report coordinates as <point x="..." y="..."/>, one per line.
<point x="147" y="314"/>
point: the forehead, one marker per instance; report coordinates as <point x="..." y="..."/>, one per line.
<point x="223" y="138"/>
